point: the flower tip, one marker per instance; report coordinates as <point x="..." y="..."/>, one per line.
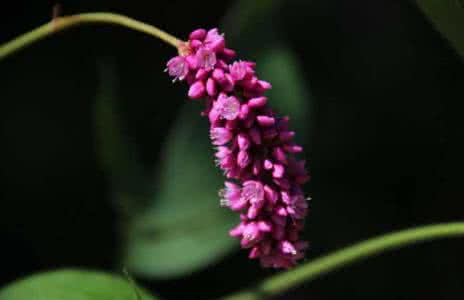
<point x="198" y="34"/>
<point x="196" y="90"/>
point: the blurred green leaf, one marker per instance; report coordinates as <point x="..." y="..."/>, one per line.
<point x="73" y="285"/>
<point x="290" y="93"/>
<point x="448" y="18"/>
<point x="182" y="228"/>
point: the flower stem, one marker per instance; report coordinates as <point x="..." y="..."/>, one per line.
<point x="61" y="23"/>
<point x="313" y="269"/>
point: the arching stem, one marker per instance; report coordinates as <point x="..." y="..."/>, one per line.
<point x="62" y="23"/>
<point x="280" y="283"/>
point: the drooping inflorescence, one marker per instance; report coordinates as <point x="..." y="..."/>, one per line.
<point x="255" y="148"/>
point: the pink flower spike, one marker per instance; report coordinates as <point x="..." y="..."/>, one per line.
<point x="201" y="74"/>
<point x="255" y="148"/>
<point x="220" y="136"/>
<point x="197" y="90"/>
<point x="265" y="121"/>
<point x="198" y="34"/>
<point x="218" y="75"/>
<point x="177" y="67"/>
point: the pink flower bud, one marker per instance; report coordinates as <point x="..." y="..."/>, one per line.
<point x="218" y="75"/>
<point x="278" y="171"/>
<point x="197" y="90"/>
<point x="201" y="74"/>
<point x="211" y="87"/>
<point x="265" y="121"/>
<point x="198" y="34"/>
<point x="243" y="142"/>
<point x="228" y="53"/>
<point x="243" y="159"/>
<point x="257" y="102"/>
<point x="238" y="70"/>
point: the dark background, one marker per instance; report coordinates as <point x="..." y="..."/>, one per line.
<point x="386" y="150"/>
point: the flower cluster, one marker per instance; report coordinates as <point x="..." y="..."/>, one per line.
<point x="255" y="148"/>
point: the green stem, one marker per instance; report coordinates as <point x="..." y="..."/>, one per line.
<point x="62" y="23"/>
<point x="311" y="270"/>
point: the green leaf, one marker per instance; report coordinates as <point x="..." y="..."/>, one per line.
<point x="183" y="228"/>
<point x="73" y="284"/>
<point x="448" y="18"/>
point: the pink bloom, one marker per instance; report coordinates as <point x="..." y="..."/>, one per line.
<point x="220" y="135"/>
<point x="231" y="196"/>
<point x="177" y="67"/>
<point x="206" y="59"/>
<point x="230" y="107"/>
<point x="253" y="191"/>
<point x="255" y="149"/>
<point x="238" y="70"/>
<point x="297" y="206"/>
<point x="214" y="41"/>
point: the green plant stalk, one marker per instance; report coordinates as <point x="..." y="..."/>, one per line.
<point x="320" y="266"/>
<point x="62" y="23"/>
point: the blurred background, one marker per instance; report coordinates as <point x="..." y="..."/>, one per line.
<point x="105" y="164"/>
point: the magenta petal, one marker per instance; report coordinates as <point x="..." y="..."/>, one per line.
<point x="197" y="90"/>
<point x="257" y="102"/>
